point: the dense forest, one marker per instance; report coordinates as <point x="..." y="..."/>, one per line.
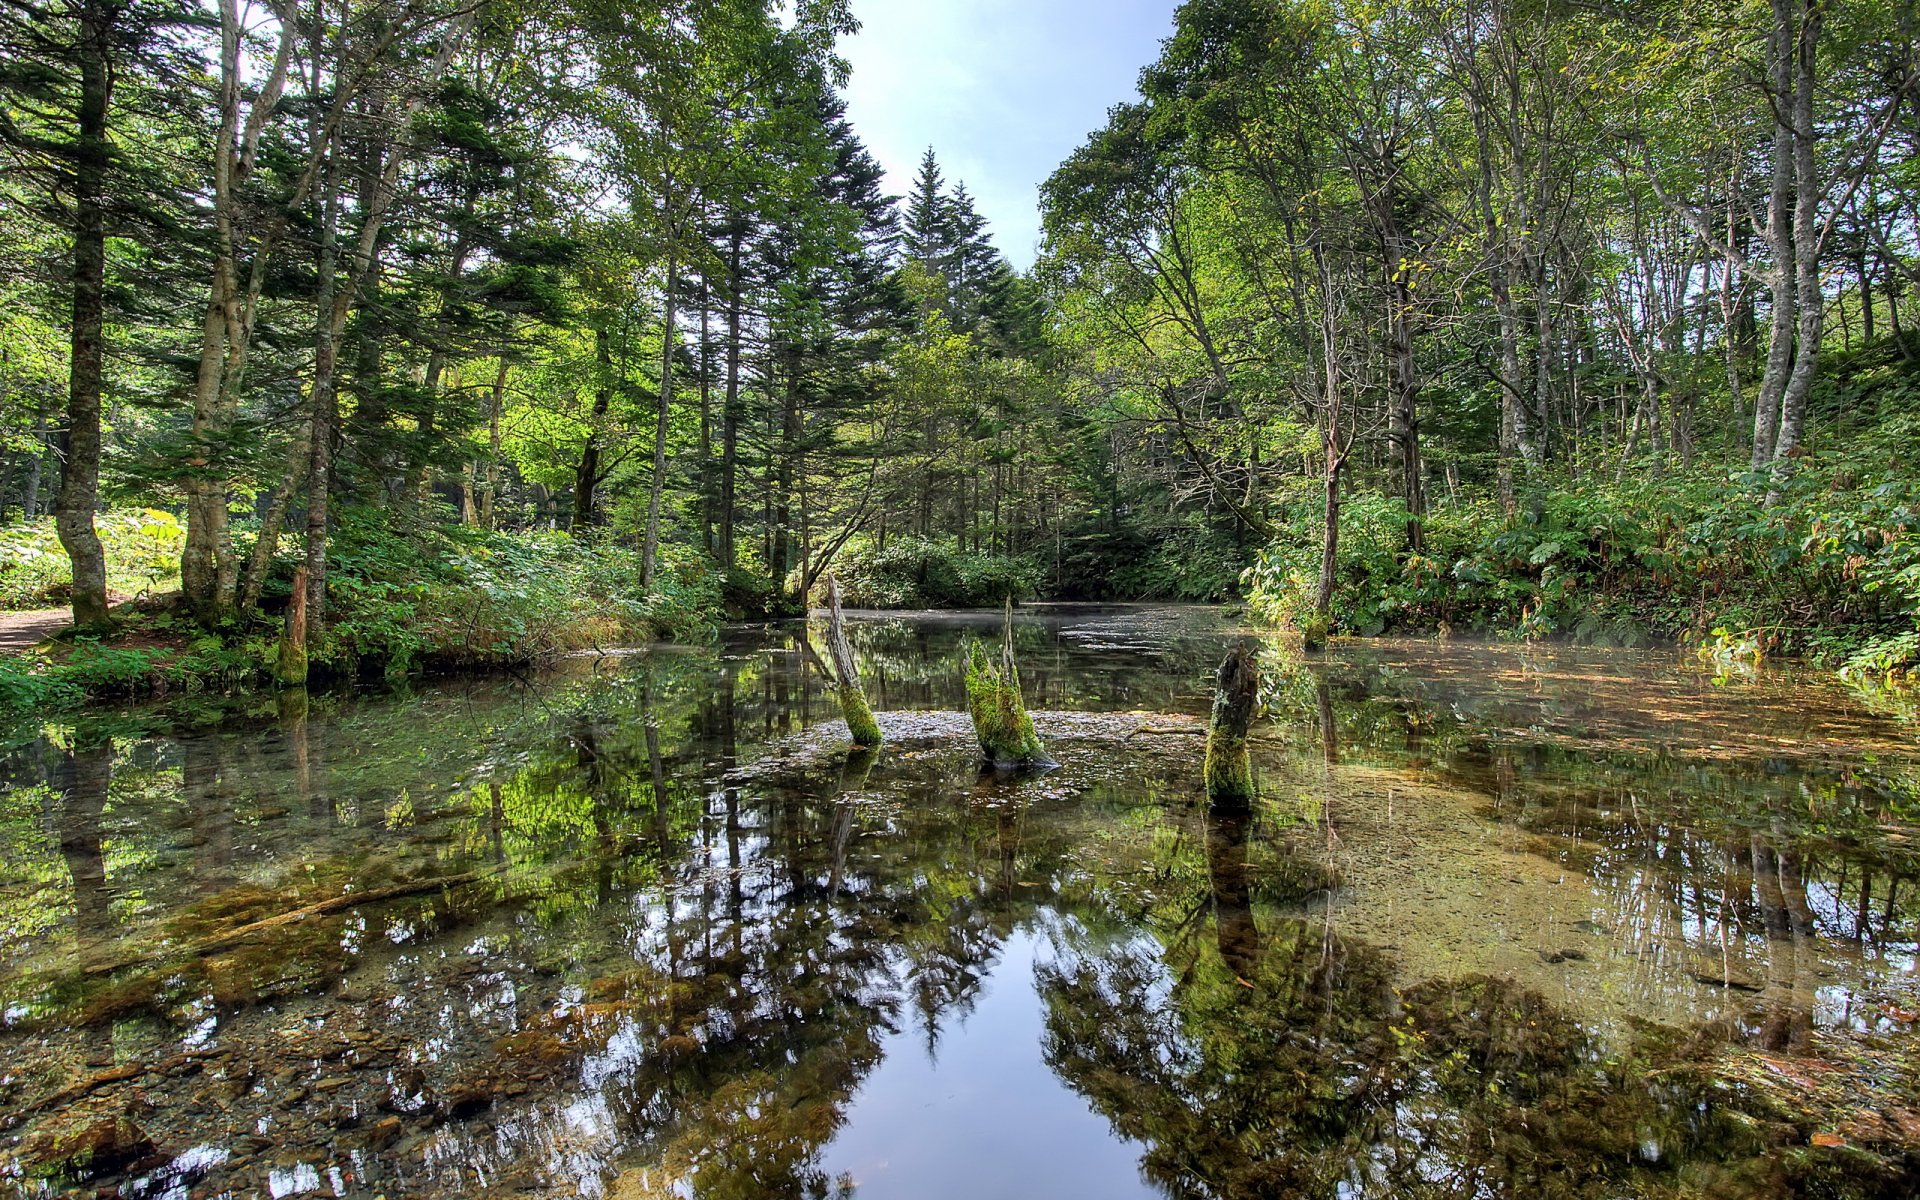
<point x="469" y="332"/>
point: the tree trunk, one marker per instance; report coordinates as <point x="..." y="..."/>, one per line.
<point x="1773" y="380"/>
<point x="260" y="561"/>
<point x="663" y="410"/>
<point x="324" y="403"/>
<point x="80" y="443"/>
<point x="586" y="478"/>
<point x="706" y="417"/>
<point x="1229" y="769"/>
<point x="864" y="730"/>
<point x="730" y="406"/>
<point x="30" y="500"/>
<point x="291" y="668"/>
<point x="490" y="494"/>
<point x="1808" y="296"/>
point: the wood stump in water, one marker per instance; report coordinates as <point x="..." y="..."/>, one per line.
<point x="853" y="697"/>
<point x="1229" y="770"/>
<point x="291" y="670"/>
<point x="1000" y="718"/>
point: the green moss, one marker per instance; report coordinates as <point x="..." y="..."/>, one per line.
<point x="291" y="669"/>
<point x="1229" y="770"/>
<point x="1000" y="718"/>
<point x="860" y="723"/>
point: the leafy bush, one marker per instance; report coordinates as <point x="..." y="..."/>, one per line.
<point x="452" y="596"/>
<point x="1832" y="569"/>
<point x="142" y="549"/>
<point x="25" y="687"/>
<point x="916" y="572"/>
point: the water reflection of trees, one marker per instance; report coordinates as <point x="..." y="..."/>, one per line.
<point x="688" y="976"/>
<point x="1279" y="1058"/>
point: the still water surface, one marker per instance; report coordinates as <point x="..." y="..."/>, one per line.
<point x="1507" y="921"/>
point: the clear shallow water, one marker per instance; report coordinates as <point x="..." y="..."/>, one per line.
<point x="1507" y="921"/>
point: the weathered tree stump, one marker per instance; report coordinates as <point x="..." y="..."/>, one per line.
<point x="1229" y="770"/>
<point x="1000" y="718"/>
<point x="291" y="670"/>
<point x="853" y="697"/>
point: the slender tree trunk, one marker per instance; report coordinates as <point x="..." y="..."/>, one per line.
<point x="80" y="442"/>
<point x="30" y="500"/>
<point x="324" y="403"/>
<point x="1808" y="296"/>
<point x="1773" y="380"/>
<point x="669" y="341"/>
<point x="779" y="560"/>
<point x="706" y="417"/>
<point x="260" y="561"/>
<point x="730" y="405"/>
<point x="490" y="494"/>
<point x="586" y="478"/>
<point x="1404" y="416"/>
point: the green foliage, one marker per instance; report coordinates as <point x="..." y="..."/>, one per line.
<point x="142" y="547"/>
<point x="1000" y="717"/>
<point x="1831" y="570"/>
<point x="915" y="572"/>
<point x="25" y="688"/>
<point x="451" y="596"/>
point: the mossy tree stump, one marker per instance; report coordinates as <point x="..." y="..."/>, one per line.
<point x="1000" y="717"/>
<point x="1236" y="694"/>
<point x="853" y="698"/>
<point x="291" y="669"/>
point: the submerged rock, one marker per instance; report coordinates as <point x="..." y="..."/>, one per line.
<point x="103" y="1146"/>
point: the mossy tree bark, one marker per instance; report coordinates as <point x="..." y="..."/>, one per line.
<point x="1229" y="770"/>
<point x="853" y="698"/>
<point x="291" y="670"/>
<point x="1000" y="718"/>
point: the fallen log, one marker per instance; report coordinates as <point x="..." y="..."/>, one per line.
<point x="319" y="908"/>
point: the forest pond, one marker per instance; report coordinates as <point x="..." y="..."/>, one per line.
<point x="1507" y="920"/>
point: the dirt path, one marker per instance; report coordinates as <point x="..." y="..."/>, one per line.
<point x="21" y="630"/>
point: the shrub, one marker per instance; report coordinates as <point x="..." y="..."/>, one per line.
<point x="916" y="572"/>
<point x="1832" y="569"/>
<point x="25" y="687"/>
<point x="452" y="596"/>
<point x="142" y="550"/>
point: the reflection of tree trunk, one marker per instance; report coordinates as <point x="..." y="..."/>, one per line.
<point x="587" y="757"/>
<point x="294" y="705"/>
<point x="662" y="827"/>
<point x="204" y="784"/>
<point x="1781" y="889"/>
<point x="1234" y="929"/>
<point x="1329" y="732"/>
<point x="82" y="779"/>
<point x="729" y="759"/>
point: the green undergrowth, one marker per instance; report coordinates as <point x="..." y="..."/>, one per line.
<point x="916" y="572"/>
<point x="142" y="550"/>
<point x="436" y="598"/>
<point x="1831" y="571"/>
<point x="454" y="597"/>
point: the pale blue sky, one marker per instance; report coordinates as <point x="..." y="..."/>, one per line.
<point x="1003" y="90"/>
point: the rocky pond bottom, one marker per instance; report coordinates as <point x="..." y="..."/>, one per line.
<point x="1505" y="921"/>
